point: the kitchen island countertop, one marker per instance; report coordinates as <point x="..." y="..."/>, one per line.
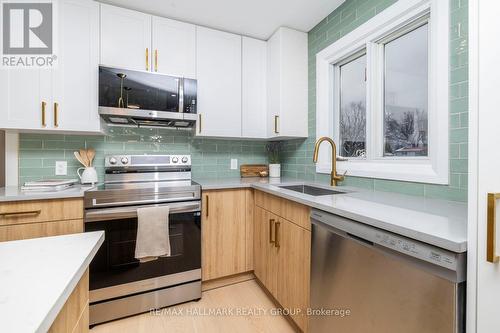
<point x="38" y="275"/>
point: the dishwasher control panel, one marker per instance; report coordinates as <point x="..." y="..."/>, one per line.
<point x="416" y="249"/>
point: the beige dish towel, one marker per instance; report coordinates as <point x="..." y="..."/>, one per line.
<point x="153" y="239"/>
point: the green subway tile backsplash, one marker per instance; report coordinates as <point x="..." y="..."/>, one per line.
<point x="210" y="157"/>
<point x="340" y="22"/>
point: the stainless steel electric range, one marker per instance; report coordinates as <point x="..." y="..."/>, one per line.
<point x="120" y="285"/>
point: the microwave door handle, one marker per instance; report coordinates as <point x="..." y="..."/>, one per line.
<point x="180" y="87"/>
<point x="130" y="212"/>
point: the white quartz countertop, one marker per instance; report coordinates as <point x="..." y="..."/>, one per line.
<point x="38" y="275"/>
<point x="14" y="193"/>
<point x="437" y="222"/>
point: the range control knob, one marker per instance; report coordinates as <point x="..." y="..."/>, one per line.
<point x="175" y="160"/>
<point x="124" y="160"/>
<point x="112" y="160"/>
<point x="184" y="159"/>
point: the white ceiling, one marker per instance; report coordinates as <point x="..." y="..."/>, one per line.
<point x="254" y="18"/>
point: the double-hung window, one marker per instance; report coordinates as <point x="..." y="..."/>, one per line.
<point x="382" y="94"/>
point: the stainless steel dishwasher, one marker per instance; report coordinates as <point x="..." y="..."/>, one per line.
<point x="364" y="279"/>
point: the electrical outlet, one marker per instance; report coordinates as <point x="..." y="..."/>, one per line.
<point x="61" y="168"/>
<point x="234" y="164"/>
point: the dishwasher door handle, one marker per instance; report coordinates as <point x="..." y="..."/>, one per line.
<point x="359" y="239"/>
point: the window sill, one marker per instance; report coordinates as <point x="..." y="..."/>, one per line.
<point x="408" y="171"/>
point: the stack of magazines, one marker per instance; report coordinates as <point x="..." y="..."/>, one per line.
<point x="48" y="185"/>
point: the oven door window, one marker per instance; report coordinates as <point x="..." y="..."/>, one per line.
<point x="115" y="264"/>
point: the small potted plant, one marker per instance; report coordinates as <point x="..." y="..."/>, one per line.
<point x="274" y="148"/>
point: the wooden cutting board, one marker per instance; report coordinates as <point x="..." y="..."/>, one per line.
<point x="253" y="170"/>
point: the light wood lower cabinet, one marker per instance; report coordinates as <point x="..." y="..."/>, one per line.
<point x="265" y="253"/>
<point x="294" y="258"/>
<point x="74" y="316"/>
<point x="40" y="229"/>
<point x="282" y="256"/>
<point x="40" y="218"/>
<point x="225" y="227"/>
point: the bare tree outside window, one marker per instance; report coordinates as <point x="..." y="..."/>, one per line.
<point x="352" y="117"/>
<point x="353" y="129"/>
<point x="406" y="84"/>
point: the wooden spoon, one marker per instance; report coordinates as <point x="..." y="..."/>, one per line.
<point x="91" y="155"/>
<point x="85" y="159"/>
<point x="79" y="158"/>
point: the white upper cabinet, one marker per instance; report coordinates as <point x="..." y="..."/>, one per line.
<point x="20" y="99"/>
<point x="254" y="88"/>
<point x="74" y="81"/>
<point x="218" y="66"/>
<point x="125" y="38"/>
<point x="63" y="98"/>
<point x="287" y="84"/>
<point x="174" y="47"/>
<point x="138" y="41"/>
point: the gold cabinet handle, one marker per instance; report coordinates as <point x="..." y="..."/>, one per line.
<point x="491" y="255"/>
<point x="276" y="119"/>
<point x="156" y="60"/>
<point x="29" y="212"/>
<point x="276" y="234"/>
<point x="56" y="112"/>
<point x="44" y="106"/>
<point x="147" y="59"/>
<point x="207" y="202"/>
<point x="271" y="223"/>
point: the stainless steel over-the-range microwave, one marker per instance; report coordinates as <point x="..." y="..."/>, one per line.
<point x="140" y="98"/>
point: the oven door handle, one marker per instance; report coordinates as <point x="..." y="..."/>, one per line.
<point x="138" y="202"/>
<point x="131" y="211"/>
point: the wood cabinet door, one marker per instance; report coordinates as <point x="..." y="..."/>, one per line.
<point x="218" y="67"/>
<point x="294" y="258"/>
<point x="74" y="81"/>
<point x="125" y="38"/>
<point x="223" y="233"/>
<point x="174" y="47"/>
<point x="265" y="252"/>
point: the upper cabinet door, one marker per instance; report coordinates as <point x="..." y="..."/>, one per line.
<point x="125" y="38"/>
<point x="174" y="47"/>
<point x="287" y="84"/>
<point x="273" y="85"/>
<point x="74" y="81"/>
<point x="254" y="88"/>
<point x="20" y="99"/>
<point x="218" y="65"/>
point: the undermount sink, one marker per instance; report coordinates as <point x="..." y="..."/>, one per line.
<point x="311" y="190"/>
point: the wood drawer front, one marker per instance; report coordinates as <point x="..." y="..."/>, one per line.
<point x="20" y="212"/>
<point x="287" y="209"/>
<point x="41" y="229"/>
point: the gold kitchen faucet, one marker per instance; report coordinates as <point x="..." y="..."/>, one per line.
<point x="334" y="177"/>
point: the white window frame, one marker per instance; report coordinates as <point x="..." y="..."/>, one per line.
<point x="370" y="36"/>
